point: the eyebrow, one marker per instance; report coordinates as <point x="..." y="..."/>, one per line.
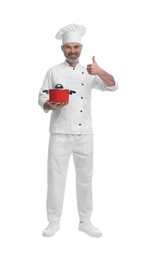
<point x="75" y="45"/>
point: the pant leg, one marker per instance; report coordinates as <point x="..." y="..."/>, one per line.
<point x="83" y="160"/>
<point x="58" y="158"/>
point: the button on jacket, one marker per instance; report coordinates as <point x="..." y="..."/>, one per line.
<point x="74" y="118"/>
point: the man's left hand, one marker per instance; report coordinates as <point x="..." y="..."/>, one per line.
<point x="93" y="68"/>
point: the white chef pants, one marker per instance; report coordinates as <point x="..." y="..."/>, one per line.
<point x="61" y="146"/>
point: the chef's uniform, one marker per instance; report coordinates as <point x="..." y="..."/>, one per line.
<point x="71" y="133"/>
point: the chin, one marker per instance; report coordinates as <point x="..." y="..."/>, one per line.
<point x="72" y="60"/>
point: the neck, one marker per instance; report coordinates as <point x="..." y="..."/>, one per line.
<point x="73" y="64"/>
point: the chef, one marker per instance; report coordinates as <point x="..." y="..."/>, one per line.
<point x="71" y="128"/>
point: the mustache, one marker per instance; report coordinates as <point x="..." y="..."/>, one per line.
<point x="74" y="54"/>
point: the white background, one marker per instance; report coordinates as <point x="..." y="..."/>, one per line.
<point x="116" y="35"/>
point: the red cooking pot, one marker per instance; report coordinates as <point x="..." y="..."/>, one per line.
<point x="59" y="95"/>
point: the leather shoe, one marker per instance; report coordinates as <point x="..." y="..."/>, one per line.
<point x="88" y="228"/>
<point x="51" y="229"/>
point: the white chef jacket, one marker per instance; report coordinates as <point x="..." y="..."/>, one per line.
<point x="74" y="118"/>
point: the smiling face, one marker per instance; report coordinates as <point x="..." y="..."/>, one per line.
<point x="72" y="51"/>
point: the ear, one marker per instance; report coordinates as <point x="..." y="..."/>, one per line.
<point x="62" y="48"/>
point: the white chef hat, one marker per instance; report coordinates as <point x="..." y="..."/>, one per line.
<point x="71" y="33"/>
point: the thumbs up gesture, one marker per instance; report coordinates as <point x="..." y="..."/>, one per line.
<point x="93" y="68"/>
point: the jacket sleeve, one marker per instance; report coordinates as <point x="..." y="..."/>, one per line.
<point x="100" y="85"/>
<point x="44" y="91"/>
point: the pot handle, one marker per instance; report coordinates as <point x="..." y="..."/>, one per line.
<point x="72" y="92"/>
<point x="45" y="91"/>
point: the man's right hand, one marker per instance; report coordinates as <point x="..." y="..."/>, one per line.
<point x="53" y="106"/>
